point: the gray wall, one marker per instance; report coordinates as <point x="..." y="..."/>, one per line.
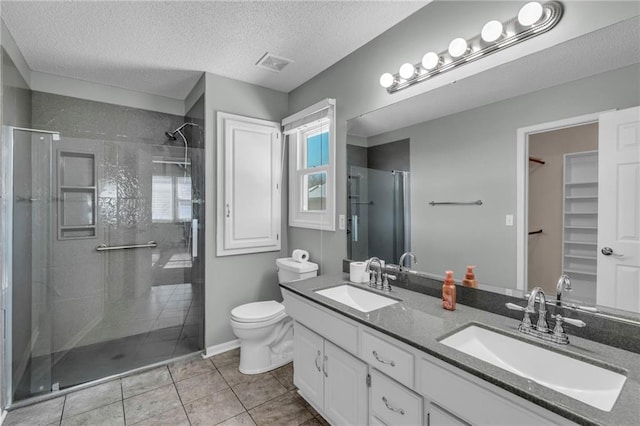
<point x="390" y="156"/>
<point x="234" y="280"/>
<point x="353" y="81"/>
<point x="471" y="155"/>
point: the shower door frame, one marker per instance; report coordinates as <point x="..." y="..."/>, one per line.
<point x="6" y="393"/>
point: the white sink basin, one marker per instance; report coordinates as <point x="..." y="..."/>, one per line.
<point x="593" y="385"/>
<point x="362" y="300"/>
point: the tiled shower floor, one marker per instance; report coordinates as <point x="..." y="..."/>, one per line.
<point x="195" y="392"/>
<point x="162" y="324"/>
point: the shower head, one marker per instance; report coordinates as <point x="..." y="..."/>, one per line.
<point x="172" y="135"/>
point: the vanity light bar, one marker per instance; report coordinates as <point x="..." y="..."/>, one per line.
<point x="533" y="19"/>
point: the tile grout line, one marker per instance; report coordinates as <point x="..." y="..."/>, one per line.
<point x="179" y="397"/>
<point x="124" y="413"/>
<point x="64" y="403"/>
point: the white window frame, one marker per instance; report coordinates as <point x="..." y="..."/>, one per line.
<point x="299" y="217"/>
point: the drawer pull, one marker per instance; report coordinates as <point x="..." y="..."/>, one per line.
<point x="318" y="360"/>
<point x="390" y="407"/>
<point x="382" y="360"/>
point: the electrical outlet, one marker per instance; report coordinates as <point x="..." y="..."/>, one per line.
<point x="509" y="220"/>
<point x="341" y="222"/>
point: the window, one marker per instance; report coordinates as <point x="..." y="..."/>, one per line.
<point x="311" y="134"/>
<point x="170" y="198"/>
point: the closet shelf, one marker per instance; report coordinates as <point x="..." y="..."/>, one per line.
<point x="575" y="271"/>
<point x="582" y="243"/>
<point x="582" y="197"/>
<point x="573" y="256"/>
<point x="581" y="183"/>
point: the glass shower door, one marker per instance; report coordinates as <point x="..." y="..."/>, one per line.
<point x="28" y="201"/>
<point x="379" y="209"/>
<point x="104" y="273"/>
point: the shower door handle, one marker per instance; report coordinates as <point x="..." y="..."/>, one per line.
<point x="194" y="238"/>
<point x="228" y="211"/>
<point x="354" y="228"/>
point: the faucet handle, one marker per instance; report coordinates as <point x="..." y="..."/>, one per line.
<point x="515" y="307"/>
<point x="385" y="283"/>
<point x="574" y="322"/>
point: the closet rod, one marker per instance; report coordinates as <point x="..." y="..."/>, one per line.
<point x="537" y="160"/>
<point x="539" y="231"/>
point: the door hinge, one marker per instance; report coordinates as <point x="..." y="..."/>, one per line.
<point x="428" y="419"/>
<point x="368" y="380"/>
<point x="277" y="237"/>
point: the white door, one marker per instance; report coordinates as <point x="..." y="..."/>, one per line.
<point x="307" y="363"/>
<point x="345" y="387"/>
<point x="249" y="163"/>
<point x="619" y="210"/>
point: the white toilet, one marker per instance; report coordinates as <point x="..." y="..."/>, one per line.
<point x="264" y="329"/>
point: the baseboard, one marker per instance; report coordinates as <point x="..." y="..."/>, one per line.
<point x="222" y="347"/>
<point x="3" y="416"/>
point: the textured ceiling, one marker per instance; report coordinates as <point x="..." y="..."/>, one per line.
<point x="162" y="47"/>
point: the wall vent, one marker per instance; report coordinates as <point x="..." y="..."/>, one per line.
<point x="273" y="62"/>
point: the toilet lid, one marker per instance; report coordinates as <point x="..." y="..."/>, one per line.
<point x="257" y="311"/>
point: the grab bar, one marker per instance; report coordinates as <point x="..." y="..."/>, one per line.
<point x="104" y="247"/>
<point x="457" y="203"/>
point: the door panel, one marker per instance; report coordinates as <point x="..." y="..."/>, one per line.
<point x="619" y="210"/>
<point x="345" y="390"/>
<point x="307" y="363"/>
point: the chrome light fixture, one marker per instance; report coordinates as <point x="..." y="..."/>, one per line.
<point x="533" y="19"/>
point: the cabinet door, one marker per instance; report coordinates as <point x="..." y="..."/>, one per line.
<point x="249" y="160"/>
<point x="307" y="364"/>
<point x="345" y="387"/>
<point x="440" y="417"/>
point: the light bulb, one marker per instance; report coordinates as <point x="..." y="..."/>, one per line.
<point x="491" y="31"/>
<point x="530" y="13"/>
<point x="430" y="60"/>
<point x="387" y="80"/>
<point x="458" y="47"/>
<point x="407" y="71"/>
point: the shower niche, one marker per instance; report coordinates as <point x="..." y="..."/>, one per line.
<point x="77" y="195"/>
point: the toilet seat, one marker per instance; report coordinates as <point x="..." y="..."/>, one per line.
<point x="258" y="312"/>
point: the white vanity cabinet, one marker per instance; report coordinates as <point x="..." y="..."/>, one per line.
<point x="332" y="380"/>
<point x="333" y="355"/>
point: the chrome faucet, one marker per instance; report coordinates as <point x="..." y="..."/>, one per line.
<point x="403" y="257"/>
<point x="564" y="283"/>
<point x="537" y="292"/>
<point x="375" y="279"/>
<point x="541" y="328"/>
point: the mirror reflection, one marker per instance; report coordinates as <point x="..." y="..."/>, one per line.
<point x="473" y="155"/>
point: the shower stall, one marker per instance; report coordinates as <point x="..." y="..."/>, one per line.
<point x="379" y="213"/>
<point x="103" y="241"/>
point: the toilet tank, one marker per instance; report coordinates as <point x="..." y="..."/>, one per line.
<point x="291" y="270"/>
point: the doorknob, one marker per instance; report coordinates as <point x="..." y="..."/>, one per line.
<point x="608" y="251"/>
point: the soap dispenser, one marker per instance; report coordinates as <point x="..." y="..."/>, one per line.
<point x="449" y="292"/>
<point x="470" y="278"/>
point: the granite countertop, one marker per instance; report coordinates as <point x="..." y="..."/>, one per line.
<point x="420" y="321"/>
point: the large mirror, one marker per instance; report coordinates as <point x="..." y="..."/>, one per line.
<point x="500" y="170"/>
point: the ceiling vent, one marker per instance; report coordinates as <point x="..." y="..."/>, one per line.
<point x="273" y="63"/>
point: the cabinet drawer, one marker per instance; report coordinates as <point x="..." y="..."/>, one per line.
<point x="475" y="403"/>
<point x="334" y="329"/>
<point x="388" y="358"/>
<point x="392" y="403"/>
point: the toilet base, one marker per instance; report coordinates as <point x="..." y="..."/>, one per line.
<point x="247" y="367"/>
<point x="257" y="356"/>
